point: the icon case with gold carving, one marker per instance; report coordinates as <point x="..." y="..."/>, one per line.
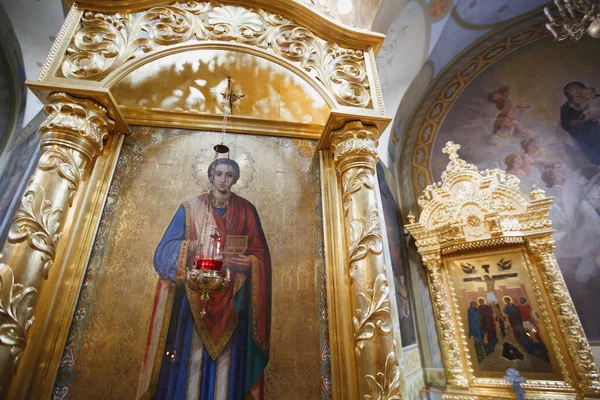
<point x="488" y="247"/>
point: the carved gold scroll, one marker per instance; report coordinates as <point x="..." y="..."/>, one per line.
<point x="478" y="231"/>
<point x="102" y="43"/>
<point x="72" y="137"/>
<point x="365" y="281"/>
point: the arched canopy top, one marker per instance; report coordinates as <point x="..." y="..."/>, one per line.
<point x="96" y="52"/>
<point x="188" y="85"/>
<point x="470" y="205"/>
<point x="305" y="12"/>
<point x="217" y="59"/>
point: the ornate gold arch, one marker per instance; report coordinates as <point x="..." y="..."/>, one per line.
<point x="51" y="236"/>
<point x="94" y="49"/>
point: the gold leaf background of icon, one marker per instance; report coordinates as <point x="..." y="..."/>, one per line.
<point x="284" y="192"/>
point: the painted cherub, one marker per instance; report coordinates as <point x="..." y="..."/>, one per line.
<point x="515" y="164"/>
<point x="533" y="156"/>
<point x="507" y="121"/>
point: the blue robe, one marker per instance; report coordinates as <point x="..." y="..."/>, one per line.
<point x="475" y="330"/>
<point x="246" y="362"/>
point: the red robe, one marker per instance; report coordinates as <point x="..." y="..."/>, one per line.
<point x="216" y="329"/>
<point x="217" y="326"/>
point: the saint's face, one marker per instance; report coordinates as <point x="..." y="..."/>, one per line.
<point x="223" y="178"/>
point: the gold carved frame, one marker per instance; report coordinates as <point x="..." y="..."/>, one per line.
<point x="478" y="214"/>
<point x="44" y="259"/>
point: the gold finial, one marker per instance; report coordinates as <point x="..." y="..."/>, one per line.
<point x="456" y="164"/>
<point x="411" y="217"/>
<point x="451" y="149"/>
<point x="537" y="193"/>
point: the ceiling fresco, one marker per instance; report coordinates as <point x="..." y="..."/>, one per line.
<point x="449" y="30"/>
<point x="479" y="14"/>
<point x="418" y="31"/>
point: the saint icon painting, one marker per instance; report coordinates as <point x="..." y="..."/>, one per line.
<point x="220" y="354"/>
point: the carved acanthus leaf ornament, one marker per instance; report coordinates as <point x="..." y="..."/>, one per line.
<point x="355" y="180"/>
<point x="354" y="148"/>
<point x="386" y="385"/>
<point x="105" y="42"/>
<point x="67" y="163"/>
<point x="355" y="139"/>
<point x="38" y="221"/>
<point x="71" y="137"/>
<point x="365" y="237"/>
<point x="16" y="312"/>
<point x="373" y="314"/>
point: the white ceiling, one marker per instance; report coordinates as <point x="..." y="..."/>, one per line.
<point x="36" y="24"/>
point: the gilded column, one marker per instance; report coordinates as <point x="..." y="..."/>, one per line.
<point x="587" y="373"/>
<point x="72" y="137"/>
<point x="354" y="148"/>
<point x="442" y="306"/>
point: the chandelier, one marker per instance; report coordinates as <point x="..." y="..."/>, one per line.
<point x="574" y="18"/>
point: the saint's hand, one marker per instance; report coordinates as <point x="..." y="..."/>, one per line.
<point x="240" y="263"/>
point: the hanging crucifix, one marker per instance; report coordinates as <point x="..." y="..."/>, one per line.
<point x="229" y="98"/>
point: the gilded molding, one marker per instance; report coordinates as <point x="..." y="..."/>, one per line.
<point x="57" y="42"/>
<point x="72" y="136"/>
<point x="455" y="373"/>
<point x="103" y="43"/>
<point x="354" y="148"/>
<point x="579" y="349"/>
<point x="378" y="91"/>
<point x="16" y="313"/>
<point x="543" y="311"/>
<point x="340" y="308"/>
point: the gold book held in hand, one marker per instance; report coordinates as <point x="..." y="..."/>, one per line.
<point x="236" y="244"/>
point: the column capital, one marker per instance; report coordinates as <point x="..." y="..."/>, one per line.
<point x="80" y="124"/>
<point x="354" y="145"/>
